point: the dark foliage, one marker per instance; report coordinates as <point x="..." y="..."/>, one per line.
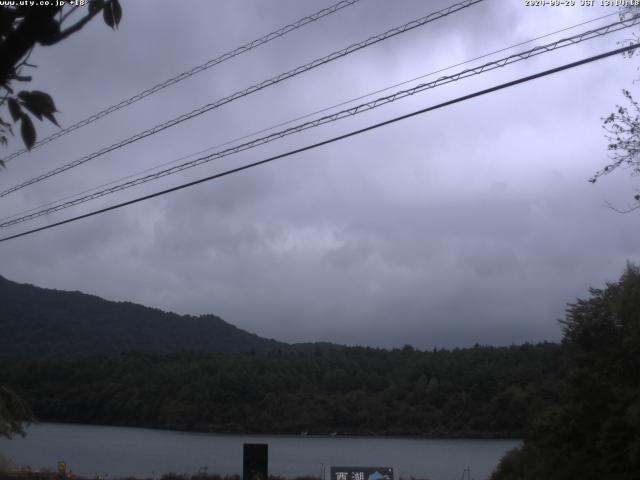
<point x="593" y="430"/>
<point x="13" y="413"/>
<point x="23" y="27"/>
<point x="480" y="391"/>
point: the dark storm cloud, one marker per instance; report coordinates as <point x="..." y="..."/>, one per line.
<point x="469" y="224"/>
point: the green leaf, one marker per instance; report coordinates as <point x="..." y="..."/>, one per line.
<point x="36" y="112"/>
<point x="14" y="109"/>
<point x="112" y="13"/>
<point x="42" y="98"/>
<point x="40" y="104"/>
<point x="117" y="11"/>
<point x="27" y="131"/>
<point x="51" y="118"/>
<point x="41" y="101"/>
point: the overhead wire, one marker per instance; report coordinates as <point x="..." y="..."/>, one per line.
<point x="516" y="57"/>
<point x="333" y="139"/>
<point x="302" y="117"/>
<point x="252" y="89"/>
<point x="189" y="73"/>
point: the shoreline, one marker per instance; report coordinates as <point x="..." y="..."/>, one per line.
<point x="391" y="436"/>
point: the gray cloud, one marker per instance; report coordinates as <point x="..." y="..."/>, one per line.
<point x="470" y="224"/>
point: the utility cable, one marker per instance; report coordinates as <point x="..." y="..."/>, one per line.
<point x="184" y="75"/>
<point x="334" y="139"/>
<point x="302" y="117"/>
<point x="333" y="117"/>
<point x="254" y="88"/>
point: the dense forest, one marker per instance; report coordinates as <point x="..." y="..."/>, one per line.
<point x="592" y="430"/>
<point x="479" y="392"/>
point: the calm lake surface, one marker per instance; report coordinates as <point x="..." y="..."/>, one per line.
<point x="119" y="451"/>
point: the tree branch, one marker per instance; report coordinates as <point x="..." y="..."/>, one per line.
<point x="64" y="17"/>
<point x="25" y="36"/>
<point x="79" y="24"/>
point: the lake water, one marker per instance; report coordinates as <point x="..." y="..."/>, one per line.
<point x="119" y="451"/>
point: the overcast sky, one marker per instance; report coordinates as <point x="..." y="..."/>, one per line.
<point x="473" y="223"/>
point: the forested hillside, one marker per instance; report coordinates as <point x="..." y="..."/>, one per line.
<point x="38" y="322"/>
<point x="481" y="391"/>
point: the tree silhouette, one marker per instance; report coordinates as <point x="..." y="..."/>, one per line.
<point x="22" y="28"/>
<point x="593" y="430"/>
<point x="13" y="413"/>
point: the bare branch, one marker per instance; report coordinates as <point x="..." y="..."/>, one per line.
<point x="623" y="133"/>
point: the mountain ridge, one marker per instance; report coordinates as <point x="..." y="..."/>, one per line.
<point x="43" y="322"/>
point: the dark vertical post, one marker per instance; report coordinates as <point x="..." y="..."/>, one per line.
<point x="255" y="461"/>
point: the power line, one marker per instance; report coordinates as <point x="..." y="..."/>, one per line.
<point x="516" y="57"/>
<point x="302" y="117"/>
<point x="254" y="88"/>
<point x="334" y="139"/>
<point x="334" y="117"/>
<point x="189" y="73"/>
